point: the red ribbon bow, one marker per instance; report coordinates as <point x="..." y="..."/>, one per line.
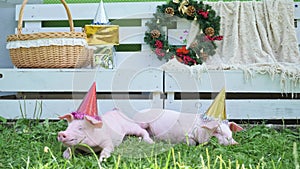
<point x="182" y="51"/>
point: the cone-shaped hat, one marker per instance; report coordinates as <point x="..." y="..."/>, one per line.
<point x="100" y="17"/>
<point x="88" y="105"/>
<point x="217" y="109"/>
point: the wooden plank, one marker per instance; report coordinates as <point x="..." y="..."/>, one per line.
<point x="135" y="73"/>
<point x="123" y="10"/>
<point x="27" y="30"/>
<point x="127" y="35"/>
<point x="297" y="29"/>
<point x="71" y="80"/>
<point x="177" y="36"/>
<point x="143" y="60"/>
<point x="234" y="81"/>
<point x="51" y="109"/>
<point x="243" y="109"/>
<point x="297" y="10"/>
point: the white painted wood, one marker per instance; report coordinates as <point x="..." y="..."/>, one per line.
<point x="71" y="80"/>
<point x="127" y="35"/>
<point x="27" y="30"/>
<point x="297" y="29"/>
<point x="33" y="24"/>
<point x="183" y="23"/>
<point x="177" y="36"/>
<point x="233" y="80"/>
<point x="297" y="19"/>
<point x="243" y="109"/>
<point x="122" y="10"/>
<point x="297" y="10"/>
<point x="137" y="72"/>
<point x="138" y="60"/>
<point x="51" y="109"/>
<point x="130" y="10"/>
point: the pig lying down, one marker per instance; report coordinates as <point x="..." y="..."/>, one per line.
<point x="101" y="133"/>
<point x="177" y="127"/>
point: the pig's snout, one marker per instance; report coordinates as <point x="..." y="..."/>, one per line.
<point x="61" y="136"/>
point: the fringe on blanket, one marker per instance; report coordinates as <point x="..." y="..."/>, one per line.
<point x="289" y="74"/>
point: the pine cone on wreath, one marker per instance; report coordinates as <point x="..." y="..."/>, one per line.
<point x="169" y="11"/>
<point x="155" y="33"/>
<point x="190" y="10"/>
<point x="210" y="31"/>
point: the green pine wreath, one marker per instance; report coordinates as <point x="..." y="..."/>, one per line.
<point x="165" y="17"/>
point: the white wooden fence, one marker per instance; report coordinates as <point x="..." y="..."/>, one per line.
<point x="136" y="82"/>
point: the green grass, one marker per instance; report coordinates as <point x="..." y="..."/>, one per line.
<point x="30" y="144"/>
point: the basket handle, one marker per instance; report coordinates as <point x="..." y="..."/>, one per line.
<point x="22" y="12"/>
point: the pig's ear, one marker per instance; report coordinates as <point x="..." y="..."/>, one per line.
<point x="211" y="125"/>
<point x="68" y="117"/>
<point x="235" y="127"/>
<point x="93" y="121"/>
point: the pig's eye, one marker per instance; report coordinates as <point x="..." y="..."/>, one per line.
<point x="80" y="128"/>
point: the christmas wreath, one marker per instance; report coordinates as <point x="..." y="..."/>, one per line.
<point x="205" y="22"/>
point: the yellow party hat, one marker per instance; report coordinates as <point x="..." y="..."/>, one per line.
<point x="217" y="109"/>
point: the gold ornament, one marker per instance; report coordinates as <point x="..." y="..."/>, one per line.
<point x="182" y="7"/>
<point x="102" y="34"/>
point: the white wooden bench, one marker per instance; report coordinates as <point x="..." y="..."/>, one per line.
<point x="136" y="82"/>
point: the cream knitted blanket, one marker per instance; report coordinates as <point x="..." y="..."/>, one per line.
<point x="256" y="32"/>
<point x="259" y="37"/>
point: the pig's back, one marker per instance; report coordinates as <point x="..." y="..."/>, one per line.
<point x="168" y="125"/>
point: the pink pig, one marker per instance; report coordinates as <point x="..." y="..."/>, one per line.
<point x="101" y="135"/>
<point x="177" y="127"/>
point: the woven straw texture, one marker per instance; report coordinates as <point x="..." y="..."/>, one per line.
<point x="53" y="56"/>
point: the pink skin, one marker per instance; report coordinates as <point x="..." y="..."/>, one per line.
<point x="177" y="127"/>
<point x="99" y="135"/>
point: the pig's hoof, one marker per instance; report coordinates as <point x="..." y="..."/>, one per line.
<point x="102" y="159"/>
<point x="67" y="153"/>
<point x="149" y="140"/>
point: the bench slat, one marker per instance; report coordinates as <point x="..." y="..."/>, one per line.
<point x="51" y="109"/>
<point x="234" y="80"/>
<point x="127" y="35"/>
<point x="134" y="72"/>
<point x="40" y="12"/>
<point x="243" y="109"/>
<point x="79" y="80"/>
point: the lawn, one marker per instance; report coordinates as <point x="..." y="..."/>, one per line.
<point x="33" y="144"/>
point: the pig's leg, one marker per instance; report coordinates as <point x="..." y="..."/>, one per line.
<point x="191" y="142"/>
<point x="107" y="147"/>
<point x="146" y="136"/>
<point x="138" y="131"/>
<point x="105" y="153"/>
<point x="67" y="153"/>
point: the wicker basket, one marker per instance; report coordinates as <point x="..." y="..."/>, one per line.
<point x="48" y="56"/>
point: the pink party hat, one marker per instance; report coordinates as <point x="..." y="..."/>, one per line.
<point x="88" y="105"/>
